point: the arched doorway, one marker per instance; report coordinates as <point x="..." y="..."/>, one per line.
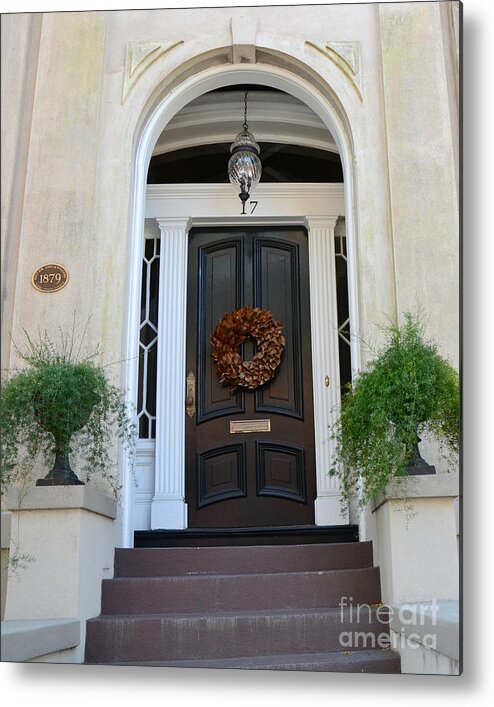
<point x="176" y="209"/>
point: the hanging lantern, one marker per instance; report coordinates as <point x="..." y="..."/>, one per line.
<point x="244" y="166"/>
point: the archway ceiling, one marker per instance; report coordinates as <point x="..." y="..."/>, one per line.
<point x="273" y="116"/>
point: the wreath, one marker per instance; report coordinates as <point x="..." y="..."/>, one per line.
<point x="231" y="332"/>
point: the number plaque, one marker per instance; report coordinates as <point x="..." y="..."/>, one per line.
<point x="50" y="278"/>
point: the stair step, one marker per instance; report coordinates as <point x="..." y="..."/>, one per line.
<point x="271" y="535"/>
<point x="361" y="661"/>
<point x="200" y="636"/>
<point x="217" y="593"/>
<point x="268" y="606"/>
<point x="161" y="562"/>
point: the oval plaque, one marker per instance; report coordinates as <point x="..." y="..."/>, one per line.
<point x="50" y="278"/>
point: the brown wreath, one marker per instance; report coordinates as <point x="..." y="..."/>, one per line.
<point x="231" y="332"/>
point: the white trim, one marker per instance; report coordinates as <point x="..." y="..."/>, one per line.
<point x="273" y="117"/>
<point x="157" y="120"/>
<point x="143" y="490"/>
<point x="274" y="201"/>
<point x="325" y="362"/>
<point x="168" y="507"/>
<point x="184" y="206"/>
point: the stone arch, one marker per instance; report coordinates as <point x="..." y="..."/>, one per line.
<point x="204" y="74"/>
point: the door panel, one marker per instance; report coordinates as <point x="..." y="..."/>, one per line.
<point x="278" y="291"/>
<point x="221" y="474"/>
<point x="281" y="471"/>
<point x="219" y="270"/>
<point x="250" y="478"/>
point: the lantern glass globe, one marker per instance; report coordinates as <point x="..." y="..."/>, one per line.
<point x="244" y="166"/>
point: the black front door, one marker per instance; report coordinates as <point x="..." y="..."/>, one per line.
<point x="245" y="479"/>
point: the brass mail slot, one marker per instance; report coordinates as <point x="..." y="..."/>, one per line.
<point x="239" y="426"/>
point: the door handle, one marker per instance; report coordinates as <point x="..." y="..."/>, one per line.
<point x="190" y="394"/>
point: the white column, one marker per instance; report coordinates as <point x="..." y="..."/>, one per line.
<point x="325" y="363"/>
<point x="168" y="507"/>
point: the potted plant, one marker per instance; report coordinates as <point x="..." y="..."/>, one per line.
<point x="61" y="402"/>
<point x="407" y="389"/>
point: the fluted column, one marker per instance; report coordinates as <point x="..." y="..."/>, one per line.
<point x="325" y="363"/>
<point x="168" y="508"/>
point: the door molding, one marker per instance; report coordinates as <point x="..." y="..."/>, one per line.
<point x="178" y="208"/>
<point x="154" y="117"/>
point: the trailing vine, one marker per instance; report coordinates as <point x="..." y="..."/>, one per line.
<point x="61" y="401"/>
<point x="407" y="390"/>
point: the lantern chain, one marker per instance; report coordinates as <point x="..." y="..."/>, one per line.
<point x="245" y="126"/>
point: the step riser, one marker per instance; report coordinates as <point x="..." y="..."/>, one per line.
<point x="150" y="639"/>
<point x="226" y="537"/>
<point x="388" y="667"/>
<point x="362" y="661"/>
<point x="161" y="562"/>
<point x="237" y="593"/>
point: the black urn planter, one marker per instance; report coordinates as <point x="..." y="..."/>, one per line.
<point x="62" y="407"/>
<point x="417" y="466"/>
<point x="61" y="474"/>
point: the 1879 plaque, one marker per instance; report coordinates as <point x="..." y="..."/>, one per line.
<point x="50" y="278"/>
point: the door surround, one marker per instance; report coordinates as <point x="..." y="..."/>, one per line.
<point x="172" y="225"/>
<point x="176" y="209"/>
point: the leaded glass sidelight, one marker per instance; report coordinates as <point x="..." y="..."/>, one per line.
<point x="341" y="262"/>
<point x="148" y="340"/>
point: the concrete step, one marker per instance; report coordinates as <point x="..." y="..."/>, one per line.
<point x="361" y="661"/>
<point x="162" y="562"/>
<point x="237" y="592"/>
<point x="201" y="636"/>
<point x="270" y="607"/>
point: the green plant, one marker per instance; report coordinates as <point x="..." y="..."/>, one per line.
<point x="407" y="389"/>
<point x="61" y="403"/>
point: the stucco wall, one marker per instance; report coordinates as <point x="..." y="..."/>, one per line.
<point x="81" y="140"/>
<point x="422" y="168"/>
<point x="60" y="202"/>
<point x="77" y="106"/>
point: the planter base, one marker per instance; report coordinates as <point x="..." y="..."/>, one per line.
<point x="61" y="474"/>
<point x="415" y="535"/>
<point x="64" y="480"/>
<point x="420" y="467"/>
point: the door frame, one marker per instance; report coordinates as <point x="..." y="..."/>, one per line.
<point x="178" y="208"/>
<point x="261" y="479"/>
<point x="155" y="113"/>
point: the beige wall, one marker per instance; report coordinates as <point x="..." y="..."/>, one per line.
<point x="418" y="96"/>
<point x="59" y="193"/>
<point x="20" y="44"/>
<point x="74" y="204"/>
<point x="70" y="138"/>
<point x="67" y="536"/>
